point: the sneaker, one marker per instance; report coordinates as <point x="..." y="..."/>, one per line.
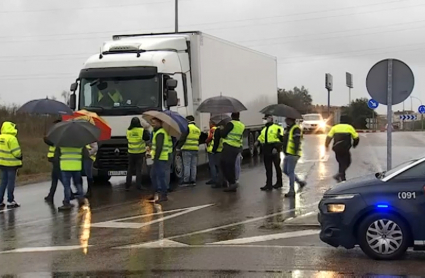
<point x="266" y="188"/>
<point x="2" y="205"/>
<point x="277" y="186"/>
<point x="290" y="195"/>
<point x="13" y="204"/>
<point x="48" y="199"/>
<point x="65" y="207"/>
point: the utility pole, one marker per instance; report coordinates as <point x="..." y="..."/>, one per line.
<point x="176" y="16"/>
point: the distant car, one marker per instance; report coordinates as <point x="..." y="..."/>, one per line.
<point x="313" y="123"/>
<point x="383" y="213"/>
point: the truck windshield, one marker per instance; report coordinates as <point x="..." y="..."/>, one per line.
<point x="312" y="118"/>
<point x="113" y="96"/>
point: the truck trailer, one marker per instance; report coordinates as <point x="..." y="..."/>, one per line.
<point x="176" y="71"/>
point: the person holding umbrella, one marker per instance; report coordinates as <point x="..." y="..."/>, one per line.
<point x="70" y="138"/>
<point x="232" y="135"/>
<point x="271" y="138"/>
<point x="136" y="137"/>
<point x="56" y="175"/>
<point x="10" y="162"/>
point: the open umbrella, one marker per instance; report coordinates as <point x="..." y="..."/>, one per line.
<point x="180" y="120"/>
<point x="221" y="104"/>
<point x="45" y="106"/>
<point x="168" y="123"/>
<point x="94" y="119"/>
<point x="73" y="134"/>
<point x="281" y="110"/>
<point x="220" y="119"/>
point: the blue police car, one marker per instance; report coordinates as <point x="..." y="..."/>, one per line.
<point x="383" y="213"/>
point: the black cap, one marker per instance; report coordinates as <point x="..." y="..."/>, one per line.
<point x="266" y="116"/>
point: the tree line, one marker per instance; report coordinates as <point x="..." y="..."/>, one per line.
<point x="300" y="99"/>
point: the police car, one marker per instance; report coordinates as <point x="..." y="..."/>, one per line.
<point x="383" y="213"/>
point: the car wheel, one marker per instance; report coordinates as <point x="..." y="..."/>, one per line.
<point x="383" y="236"/>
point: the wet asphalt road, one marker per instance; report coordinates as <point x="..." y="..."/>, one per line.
<point x="199" y="232"/>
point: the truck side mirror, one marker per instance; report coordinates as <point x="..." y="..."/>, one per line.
<point x="74" y="87"/>
<point x="171" y="84"/>
<point x="171" y="98"/>
<point x="72" y="101"/>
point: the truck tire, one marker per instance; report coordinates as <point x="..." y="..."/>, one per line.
<point x="101" y="179"/>
<point x="177" y="172"/>
<point x="387" y="226"/>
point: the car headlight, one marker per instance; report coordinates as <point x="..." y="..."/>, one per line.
<point x="336" y="208"/>
<point x="322" y="125"/>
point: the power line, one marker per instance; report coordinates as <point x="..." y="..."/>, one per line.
<point x="219" y="22"/>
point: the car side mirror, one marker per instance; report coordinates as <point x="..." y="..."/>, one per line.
<point x="72" y="101"/>
<point x="74" y="87"/>
<point x="171" y="98"/>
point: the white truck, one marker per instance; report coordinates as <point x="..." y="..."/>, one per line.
<point x="175" y="71"/>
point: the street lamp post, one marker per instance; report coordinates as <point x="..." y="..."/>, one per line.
<point x="176" y="16"/>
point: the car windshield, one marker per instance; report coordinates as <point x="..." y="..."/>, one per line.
<point x="120" y="93"/>
<point x="384" y="174"/>
<point x="312" y="118"/>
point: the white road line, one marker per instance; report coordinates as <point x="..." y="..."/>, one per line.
<point x="300" y="216"/>
<point x="129" y="225"/>
<point x="232" y="246"/>
<point x="266" y="237"/>
<point x="164" y="243"/>
<point x="43" y="249"/>
<point x="4" y="210"/>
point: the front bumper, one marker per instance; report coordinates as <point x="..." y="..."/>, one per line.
<point x="315" y="129"/>
<point x="334" y="233"/>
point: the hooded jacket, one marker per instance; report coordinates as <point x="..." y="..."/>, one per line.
<point x="8" y="137"/>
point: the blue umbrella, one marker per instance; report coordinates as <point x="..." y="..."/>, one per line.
<point x="180" y="120"/>
<point x="45" y="106"/>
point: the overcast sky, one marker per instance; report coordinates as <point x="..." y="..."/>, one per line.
<point x="43" y="43"/>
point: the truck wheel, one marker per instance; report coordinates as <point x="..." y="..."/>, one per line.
<point x="178" y="167"/>
<point x="101" y="179"/>
<point x="257" y="150"/>
<point x="251" y="142"/>
<point x="383" y="236"/>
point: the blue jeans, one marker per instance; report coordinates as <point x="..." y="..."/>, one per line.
<point x="8" y="178"/>
<point x="190" y="165"/>
<point x="289" y="164"/>
<point x="238" y="166"/>
<point x="213" y="167"/>
<point x="88" y="168"/>
<point x="159" y="179"/>
<point x="66" y="181"/>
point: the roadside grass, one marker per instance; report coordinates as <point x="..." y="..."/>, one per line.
<point x="31" y="129"/>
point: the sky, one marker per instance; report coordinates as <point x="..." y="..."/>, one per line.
<point x="44" y="43"/>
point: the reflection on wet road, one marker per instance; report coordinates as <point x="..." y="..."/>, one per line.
<point x="200" y="231"/>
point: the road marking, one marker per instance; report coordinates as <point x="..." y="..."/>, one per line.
<point x="163" y="243"/>
<point x="43" y="249"/>
<point x="237" y="223"/>
<point x="130" y="225"/>
<point x="300" y="216"/>
<point x="266" y="237"/>
<point x="4" y="210"/>
<point x="231" y="246"/>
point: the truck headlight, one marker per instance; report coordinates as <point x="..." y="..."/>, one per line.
<point x="336" y="208"/>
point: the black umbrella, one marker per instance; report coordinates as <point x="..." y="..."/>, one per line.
<point x="45" y="106"/>
<point x="221" y="104"/>
<point x="220" y="119"/>
<point x="281" y="110"/>
<point x="73" y="134"/>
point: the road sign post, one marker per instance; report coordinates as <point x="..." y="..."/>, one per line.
<point x="349" y="83"/>
<point x="390" y="82"/>
<point x="421" y="111"/>
<point x="329" y="87"/>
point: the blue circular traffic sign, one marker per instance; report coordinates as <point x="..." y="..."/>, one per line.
<point x="373" y="104"/>
<point x="421" y="109"/>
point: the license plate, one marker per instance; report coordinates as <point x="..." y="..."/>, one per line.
<point x="117" y="173"/>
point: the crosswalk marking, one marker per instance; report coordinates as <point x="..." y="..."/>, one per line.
<point x="266" y="237"/>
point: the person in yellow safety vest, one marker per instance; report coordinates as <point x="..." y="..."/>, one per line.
<point x="10" y="161"/>
<point x="271" y="138"/>
<point x="189" y="147"/>
<point x="113" y="96"/>
<point x="292" y="150"/>
<point x="232" y="135"/>
<point x="217" y="148"/>
<point x="344" y="136"/>
<point x="137" y="137"/>
<point x="160" y="154"/>
<point x="56" y="175"/>
<point x="70" y="161"/>
<point x="89" y="159"/>
<point x="211" y="162"/>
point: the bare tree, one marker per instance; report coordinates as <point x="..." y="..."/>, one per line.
<point x="53" y="97"/>
<point x="65" y="95"/>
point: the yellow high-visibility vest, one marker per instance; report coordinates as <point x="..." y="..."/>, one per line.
<point x="290" y="147"/>
<point x="10" y="151"/>
<point x="235" y="136"/>
<point x="71" y="159"/>
<point x="165" y="148"/>
<point x="136" y="144"/>
<point x="51" y="152"/>
<point x="273" y="133"/>
<point x="192" y="140"/>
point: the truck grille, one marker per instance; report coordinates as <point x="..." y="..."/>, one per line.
<point x="112" y="157"/>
